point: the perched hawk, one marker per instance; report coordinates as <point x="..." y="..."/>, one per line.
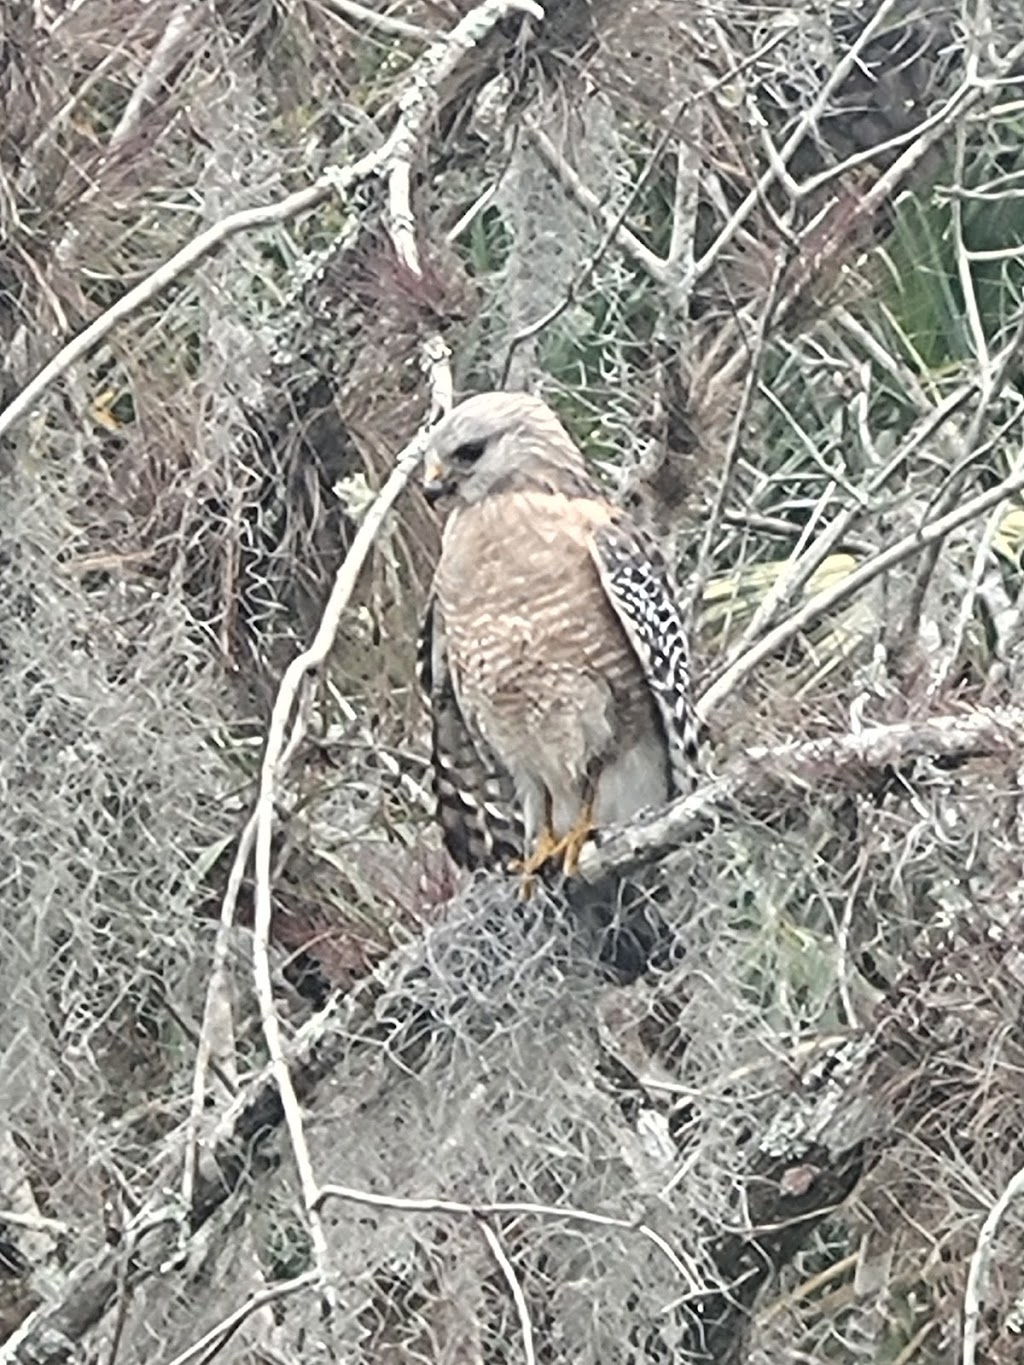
<point x="553" y="654"/>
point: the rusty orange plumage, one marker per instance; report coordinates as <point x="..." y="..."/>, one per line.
<point x="555" y="656"/>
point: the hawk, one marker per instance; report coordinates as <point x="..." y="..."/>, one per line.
<point x="553" y="653"/>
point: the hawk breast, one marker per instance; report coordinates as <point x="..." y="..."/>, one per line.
<point x="541" y="664"/>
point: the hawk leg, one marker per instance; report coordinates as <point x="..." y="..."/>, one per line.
<point x="545" y="848"/>
<point x="570" y="846"/>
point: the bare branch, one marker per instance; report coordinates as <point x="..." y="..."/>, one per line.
<point x="201" y="246"/>
<point x="249" y="1122"/>
<point x="511" y="1209"/>
<point x="418" y="105"/>
<point x="613" y="222"/>
<point x="830" y="598"/>
<point x="730" y="455"/>
<point x="768" y="773"/>
<point x="965" y="99"/>
<point x="278" y="741"/>
<point x="217" y="1337"/>
<point x="173" y="41"/>
<point x="515" y="1288"/>
<point x="374" y="19"/>
<point x="805" y="125"/>
<point x="217" y="1010"/>
<point x="979" y="1265"/>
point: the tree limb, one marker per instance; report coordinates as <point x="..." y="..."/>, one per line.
<point x="824" y="1127"/>
<point x="768" y="773"/>
<point x="836" y="1123"/>
<point x="418" y="104"/>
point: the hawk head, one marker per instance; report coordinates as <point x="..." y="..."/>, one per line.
<point x="499" y="442"/>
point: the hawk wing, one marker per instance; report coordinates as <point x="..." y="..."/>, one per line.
<point x="475" y="796"/>
<point x="635" y="580"/>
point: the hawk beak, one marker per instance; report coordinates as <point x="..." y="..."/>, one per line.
<point x="436" y="481"/>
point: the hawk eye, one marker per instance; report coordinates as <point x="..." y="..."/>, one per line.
<point x="469" y="452"/>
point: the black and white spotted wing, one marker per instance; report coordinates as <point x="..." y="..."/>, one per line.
<point x="636" y="581"/>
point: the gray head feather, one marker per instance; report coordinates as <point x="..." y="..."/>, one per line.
<point x="496" y="442"/>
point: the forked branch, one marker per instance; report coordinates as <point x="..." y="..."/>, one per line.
<point x="827" y="1123"/>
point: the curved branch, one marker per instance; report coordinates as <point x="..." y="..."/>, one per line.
<point x="824" y="1127"/>
<point x="418" y="104"/>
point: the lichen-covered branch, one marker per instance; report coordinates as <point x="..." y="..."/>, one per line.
<point x="771" y="775"/>
<point x="417" y="106"/>
<point x="805" y="1162"/>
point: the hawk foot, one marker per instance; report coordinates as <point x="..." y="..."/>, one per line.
<point x="570" y="846"/>
<point x="545" y="848"/>
<point x="548" y="849"/>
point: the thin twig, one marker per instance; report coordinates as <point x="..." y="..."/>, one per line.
<point x="808" y="555"/>
<point x="917" y="140"/>
<point x="791" y="530"/>
<point x="903" y="376"/>
<point x="979" y="1265"/>
<point x="466" y="220"/>
<point x="965" y="614"/>
<point x="609" y="236"/>
<point x="218" y="995"/>
<point x="963" y="265"/>
<point x="572" y="181"/>
<point x="809" y="1287"/>
<point x="807" y="122"/>
<point x="417" y="107"/>
<point x="217" y="1000"/>
<point x="278" y="741"/>
<point x="960" y="103"/>
<point x="512" y="1209"/>
<point x="755" y="356"/>
<point x="172" y="43"/>
<point x="990" y="381"/>
<point x="831" y="597"/>
<point x="194" y="251"/>
<point x="387" y="23"/>
<point x="615" y="224"/>
<point x="916" y="1342"/>
<point x="218" y="1336"/>
<point x="515" y="1288"/>
<point x="30" y="156"/>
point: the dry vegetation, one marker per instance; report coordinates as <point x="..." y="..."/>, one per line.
<point x="277" y="1084"/>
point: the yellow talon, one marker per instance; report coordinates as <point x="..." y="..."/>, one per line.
<point x="572" y="845"/>
<point x="544" y="849"/>
<point x="548" y="848"/>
